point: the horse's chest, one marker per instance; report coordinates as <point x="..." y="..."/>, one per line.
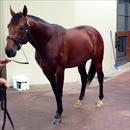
<point x="45" y="61"/>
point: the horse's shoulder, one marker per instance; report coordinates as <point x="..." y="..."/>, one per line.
<point x="59" y="32"/>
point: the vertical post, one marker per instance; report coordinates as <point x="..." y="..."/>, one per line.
<point x="128" y="46"/>
<point x="2" y="35"/>
<point x="126" y="15"/>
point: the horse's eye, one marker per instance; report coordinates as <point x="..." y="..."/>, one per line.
<point x="21" y="29"/>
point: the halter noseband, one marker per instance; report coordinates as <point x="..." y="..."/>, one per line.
<point x="18" y="41"/>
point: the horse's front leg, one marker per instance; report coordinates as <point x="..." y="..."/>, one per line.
<point x="56" y="80"/>
<point x="59" y="92"/>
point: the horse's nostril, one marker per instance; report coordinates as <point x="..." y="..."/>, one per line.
<point x="10" y="52"/>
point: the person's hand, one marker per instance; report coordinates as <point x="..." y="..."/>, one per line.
<point x="3" y="62"/>
<point x="4" y="82"/>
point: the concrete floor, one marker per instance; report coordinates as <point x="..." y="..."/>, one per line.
<point x="34" y="109"/>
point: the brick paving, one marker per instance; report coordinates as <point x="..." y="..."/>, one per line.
<point x="33" y="110"/>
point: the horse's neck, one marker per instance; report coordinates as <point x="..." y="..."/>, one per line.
<point x="40" y="33"/>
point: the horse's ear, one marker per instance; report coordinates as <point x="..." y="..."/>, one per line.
<point x="25" y="10"/>
<point x="12" y="12"/>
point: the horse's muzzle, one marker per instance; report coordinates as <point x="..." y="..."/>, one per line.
<point x="10" y="52"/>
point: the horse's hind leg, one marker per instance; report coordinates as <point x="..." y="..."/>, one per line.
<point x="83" y="75"/>
<point x="100" y="80"/>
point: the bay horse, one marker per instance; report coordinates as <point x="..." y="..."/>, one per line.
<point x="58" y="48"/>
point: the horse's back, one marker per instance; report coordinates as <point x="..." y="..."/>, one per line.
<point x="80" y="44"/>
<point x="97" y="41"/>
<point x="92" y="32"/>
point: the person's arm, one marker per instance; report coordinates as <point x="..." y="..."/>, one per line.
<point x="3" y="62"/>
<point x="3" y="82"/>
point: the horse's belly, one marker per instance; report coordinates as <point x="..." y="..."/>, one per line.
<point x="74" y="59"/>
<point x="77" y="61"/>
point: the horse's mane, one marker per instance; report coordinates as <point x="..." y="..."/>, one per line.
<point x="44" y="22"/>
<point x="17" y="16"/>
<point x="36" y="18"/>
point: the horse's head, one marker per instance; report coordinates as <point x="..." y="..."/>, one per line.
<point x="18" y="30"/>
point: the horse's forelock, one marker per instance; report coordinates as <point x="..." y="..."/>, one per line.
<point x="15" y="19"/>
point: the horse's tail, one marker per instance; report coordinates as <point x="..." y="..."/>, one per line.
<point x="91" y="73"/>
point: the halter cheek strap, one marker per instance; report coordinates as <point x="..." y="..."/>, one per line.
<point x="18" y="40"/>
<point x="12" y="38"/>
<point x="28" y="23"/>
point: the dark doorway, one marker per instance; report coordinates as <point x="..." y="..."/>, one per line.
<point x="123" y="26"/>
<point x="121" y="49"/>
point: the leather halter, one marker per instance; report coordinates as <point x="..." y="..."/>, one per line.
<point x="18" y="41"/>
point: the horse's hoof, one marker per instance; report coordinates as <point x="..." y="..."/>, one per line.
<point x="56" y="119"/>
<point x="99" y="103"/>
<point x="78" y="104"/>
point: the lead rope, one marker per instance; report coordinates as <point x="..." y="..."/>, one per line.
<point x="25" y="56"/>
<point x="19" y="62"/>
<point x="3" y="95"/>
<point x="3" y="100"/>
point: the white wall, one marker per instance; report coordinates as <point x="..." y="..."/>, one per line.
<point x="1" y="31"/>
<point x="52" y="11"/>
<point x="100" y="14"/>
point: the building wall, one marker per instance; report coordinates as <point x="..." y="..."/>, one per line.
<point x="123" y="16"/>
<point x="123" y="28"/>
<point x="1" y="30"/>
<point x="100" y="14"/>
<point x="52" y="11"/>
